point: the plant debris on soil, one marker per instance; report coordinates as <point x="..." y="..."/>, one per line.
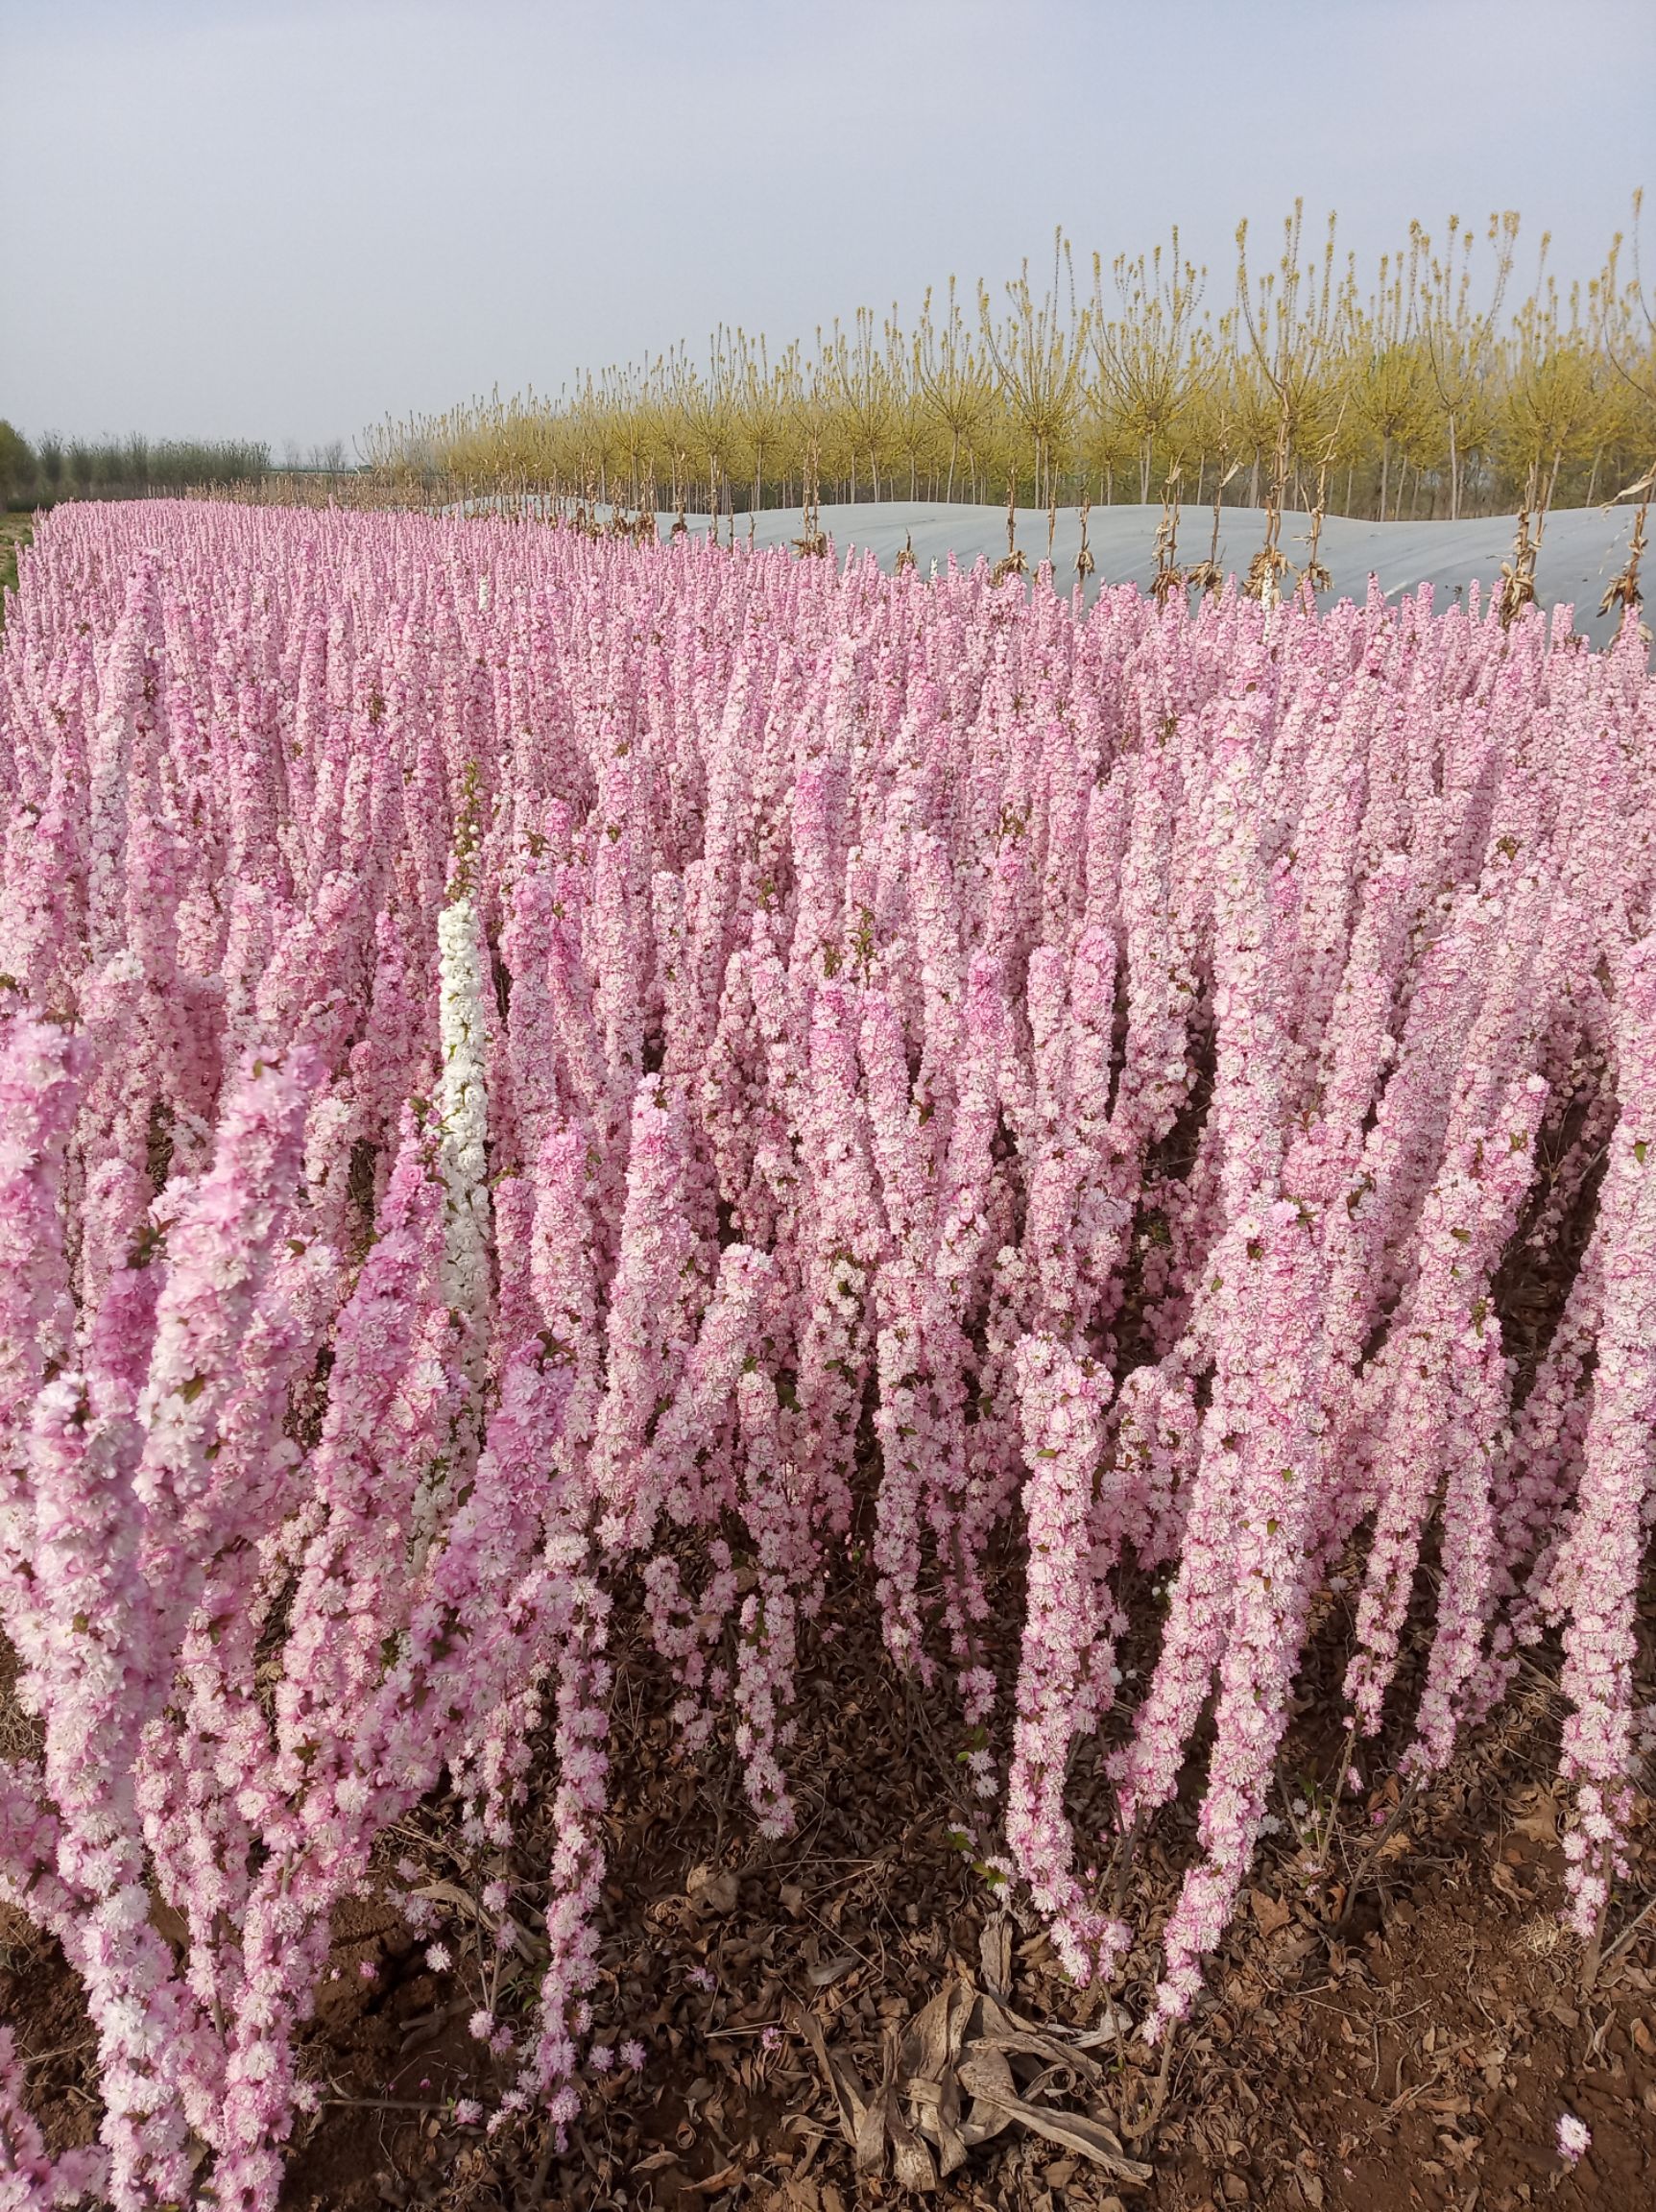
<point x="858" y="2016"/>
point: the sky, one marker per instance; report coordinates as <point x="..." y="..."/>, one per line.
<point x="289" y="219"/>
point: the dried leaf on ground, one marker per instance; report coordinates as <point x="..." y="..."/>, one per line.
<point x="995" y="1954"/>
<point x="961" y="2044"/>
<point x="712" y="1888"/>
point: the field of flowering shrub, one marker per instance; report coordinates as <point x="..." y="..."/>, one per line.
<point x="543" y="1075"/>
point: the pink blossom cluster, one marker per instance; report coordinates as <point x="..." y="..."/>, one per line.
<point x="539" y="1076"/>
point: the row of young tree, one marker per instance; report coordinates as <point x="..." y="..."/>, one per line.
<point x="1436" y="389"/>
<point x="53" y="469"/>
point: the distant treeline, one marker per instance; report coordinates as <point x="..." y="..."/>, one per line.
<point x="54" y="468"/>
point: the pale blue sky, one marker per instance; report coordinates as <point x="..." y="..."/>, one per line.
<point x="285" y="218"/>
